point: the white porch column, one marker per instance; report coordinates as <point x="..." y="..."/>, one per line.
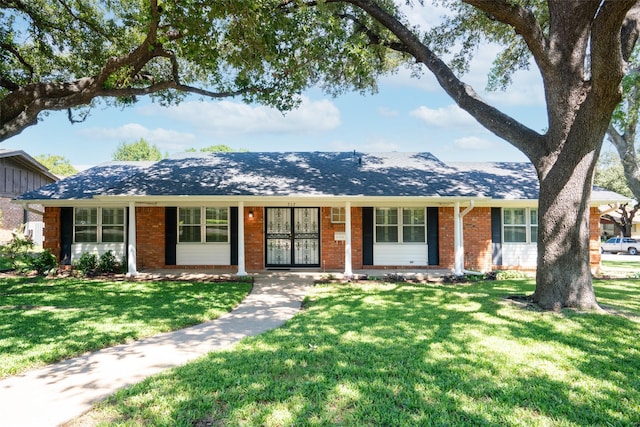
<point x="458" y="236"/>
<point x="458" y="248"/>
<point x="241" y="262"/>
<point x="132" y="269"/>
<point x="348" y="272"/>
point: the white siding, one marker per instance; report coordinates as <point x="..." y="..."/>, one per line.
<point x="390" y="254"/>
<point x="203" y="254"/>
<point x="35" y="230"/>
<point x="522" y="254"/>
<point x="77" y="249"/>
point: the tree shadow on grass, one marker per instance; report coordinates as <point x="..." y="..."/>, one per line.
<point x="86" y="315"/>
<point x="405" y="355"/>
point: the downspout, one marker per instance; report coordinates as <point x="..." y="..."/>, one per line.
<point x="458" y="237"/>
<point x="132" y="269"/>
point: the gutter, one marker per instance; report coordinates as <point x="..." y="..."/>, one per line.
<point x="28" y="208"/>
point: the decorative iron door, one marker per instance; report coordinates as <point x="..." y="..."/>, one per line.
<point x="293" y="237"/>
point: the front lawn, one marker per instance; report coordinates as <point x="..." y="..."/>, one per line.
<point x="408" y="354"/>
<point x="47" y="320"/>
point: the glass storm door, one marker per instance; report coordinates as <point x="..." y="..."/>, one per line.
<point x="293" y="237"/>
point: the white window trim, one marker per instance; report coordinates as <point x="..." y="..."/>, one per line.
<point x="400" y="225"/>
<point x="203" y="226"/>
<point x="99" y="224"/>
<point x="527" y="226"/>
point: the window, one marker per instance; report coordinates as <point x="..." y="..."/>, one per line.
<point x="413" y="225"/>
<point x="217" y="225"/>
<point x="196" y="225"/>
<point x="395" y="225"/>
<point x="338" y="215"/>
<point x="520" y="225"/>
<point x="98" y="225"/>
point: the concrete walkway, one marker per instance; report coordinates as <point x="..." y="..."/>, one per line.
<point x="60" y="392"/>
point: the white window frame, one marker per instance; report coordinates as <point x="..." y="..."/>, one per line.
<point x="530" y="226"/>
<point x="99" y="224"/>
<point x="203" y="225"/>
<point x="400" y="226"/>
<point x="338" y="215"/>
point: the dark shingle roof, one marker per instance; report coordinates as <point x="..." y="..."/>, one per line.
<point x="298" y="174"/>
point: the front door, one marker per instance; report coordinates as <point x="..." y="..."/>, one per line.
<point x="293" y="237"/>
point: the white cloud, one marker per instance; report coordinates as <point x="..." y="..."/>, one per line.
<point x="473" y="143"/>
<point x="450" y="116"/>
<point x="164" y="139"/>
<point x="227" y="117"/>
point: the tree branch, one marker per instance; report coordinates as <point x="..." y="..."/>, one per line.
<point x="522" y="20"/>
<point x="503" y="125"/>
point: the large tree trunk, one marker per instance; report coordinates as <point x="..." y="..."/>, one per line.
<point x="563" y="277"/>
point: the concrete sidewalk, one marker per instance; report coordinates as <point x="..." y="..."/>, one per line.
<point x="60" y="392"/>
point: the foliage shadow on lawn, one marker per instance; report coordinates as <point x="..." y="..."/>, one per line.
<point x="47" y="320"/>
<point x="406" y="355"/>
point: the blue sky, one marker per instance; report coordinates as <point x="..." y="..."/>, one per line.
<point x="407" y="114"/>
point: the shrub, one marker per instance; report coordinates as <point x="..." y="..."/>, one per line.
<point x="87" y="264"/>
<point x="17" y="251"/>
<point x="108" y="263"/>
<point x="44" y="262"/>
<point x="510" y="274"/>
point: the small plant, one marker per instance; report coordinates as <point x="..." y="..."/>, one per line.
<point x="87" y="264"/>
<point x="108" y="263"/>
<point x="44" y="262"/>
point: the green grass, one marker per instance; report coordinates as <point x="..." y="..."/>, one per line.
<point x="630" y="266"/>
<point x="46" y="320"/>
<point x="385" y="354"/>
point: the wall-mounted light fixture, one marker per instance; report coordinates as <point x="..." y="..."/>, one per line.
<point x="250" y="214"/>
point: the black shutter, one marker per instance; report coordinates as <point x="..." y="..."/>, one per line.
<point x="233" y="224"/>
<point x="171" y="235"/>
<point x="66" y="235"/>
<point x="367" y="236"/>
<point x="496" y="236"/>
<point x="433" y="238"/>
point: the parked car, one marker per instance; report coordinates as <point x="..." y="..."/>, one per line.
<point x="620" y="244"/>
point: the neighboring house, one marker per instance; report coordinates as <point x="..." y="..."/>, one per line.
<point x="321" y="211"/>
<point x="20" y="173"/>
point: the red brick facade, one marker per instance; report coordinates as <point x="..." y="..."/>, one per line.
<point x="477" y="239"/>
<point x="150" y="239"/>
<point x="52" y="237"/>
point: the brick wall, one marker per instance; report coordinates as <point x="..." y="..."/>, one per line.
<point x="52" y="230"/>
<point x="254" y="238"/>
<point x="477" y="239"/>
<point x="445" y="236"/>
<point x="331" y="250"/>
<point x="150" y="237"/>
<point x="12" y="214"/>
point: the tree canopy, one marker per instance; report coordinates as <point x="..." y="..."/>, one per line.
<point x="136" y="151"/>
<point x="67" y="55"/>
<point x="56" y="164"/>
<point x="219" y="148"/>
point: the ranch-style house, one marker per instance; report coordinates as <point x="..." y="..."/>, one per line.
<point x="245" y="212"/>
